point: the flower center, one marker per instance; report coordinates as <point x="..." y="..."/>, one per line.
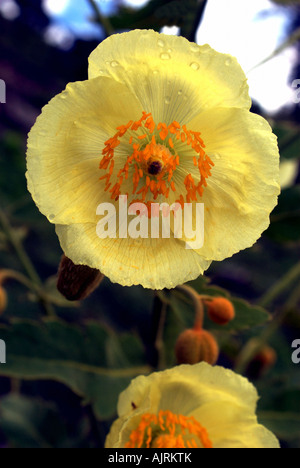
<point x="153" y="160"/>
<point x="168" y="430"/>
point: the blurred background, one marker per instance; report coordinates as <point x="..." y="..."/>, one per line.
<point x="67" y="363"/>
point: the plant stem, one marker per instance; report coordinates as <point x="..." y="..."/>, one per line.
<point x="191" y="36"/>
<point x="253" y="347"/>
<point x="159" y="340"/>
<point x="101" y="19"/>
<point x="198" y="304"/>
<point x="17" y="244"/>
<point x="278" y="288"/>
<point x="35" y="282"/>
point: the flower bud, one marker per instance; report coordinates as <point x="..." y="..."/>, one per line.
<point x="262" y="362"/>
<point x="77" y="282"/>
<point x="195" y="346"/>
<point x="220" y="310"/>
<point x="3" y="300"/>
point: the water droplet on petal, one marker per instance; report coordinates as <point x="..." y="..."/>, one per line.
<point x="180" y="92"/>
<point x="205" y="48"/>
<point x="114" y="64"/>
<point x="51" y="217"/>
<point x="195" y="65"/>
<point x="170" y="51"/>
<point x="217" y="156"/>
<point x="168" y="100"/>
<point x="228" y="62"/>
<point x="165" y="56"/>
<point x="160" y="43"/>
<point x="194" y="48"/>
<point x="155" y="72"/>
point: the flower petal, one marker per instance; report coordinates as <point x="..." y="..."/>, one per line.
<point x="153" y="263"/>
<point x="223" y="402"/>
<point x="65" y="148"/>
<point x="244" y="185"/>
<point x="172" y="78"/>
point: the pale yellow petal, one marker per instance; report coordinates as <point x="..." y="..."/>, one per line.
<point x="244" y="186"/>
<point x="173" y="78"/>
<point x="153" y="263"/>
<point x="65" y="148"/>
<point x="220" y="400"/>
<point x="247" y="436"/>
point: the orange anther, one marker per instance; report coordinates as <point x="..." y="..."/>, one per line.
<point x="156" y="159"/>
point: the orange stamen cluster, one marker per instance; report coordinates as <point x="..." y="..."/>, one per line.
<point x="154" y="160"/>
<point x="168" y="430"/>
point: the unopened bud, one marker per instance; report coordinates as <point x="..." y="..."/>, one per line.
<point x="77" y="282"/>
<point x="220" y="310"/>
<point x="195" y="346"/>
<point x="3" y="300"/>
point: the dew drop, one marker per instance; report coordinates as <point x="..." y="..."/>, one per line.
<point x="170" y="51"/>
<point x="194" y="65"/>
<point x="155" y="72"/>
<point x="51" y="217"/>
<point x="194" y="48"/>
<point x="228" y="62"/>
<point x="168" y="100"/>
<point x="217" y="156"/>
<point x="165" y="56"/>
<point x="180" y="92"/>
<point x="114" y="64"/>
<point x="205" y="48"/>
<point x="160" y="43"/>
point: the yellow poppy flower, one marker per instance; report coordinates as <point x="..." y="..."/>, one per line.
<point x="197" y="406"/>
<point x="160" y="120"/>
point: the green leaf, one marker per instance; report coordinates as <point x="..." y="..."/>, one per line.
<point x="246" y="315"/>
<point x="30" y="423"/>
<point x="74" y="356"/>
<point x="288" y="140"/>
<point x="285" y="225"/>
<point x="285" y="425"/>
<point x="181" y="315"/>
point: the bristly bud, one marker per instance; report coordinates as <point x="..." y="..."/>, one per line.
<point x="194" y="346"/>
<point x="77" y="282"/>
<point x="3" y="300"/>
<point x="220" y="310"/>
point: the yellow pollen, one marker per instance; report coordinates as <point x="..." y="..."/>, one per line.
<point x="153" y="160"/>
<point x="168" y="430"/>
